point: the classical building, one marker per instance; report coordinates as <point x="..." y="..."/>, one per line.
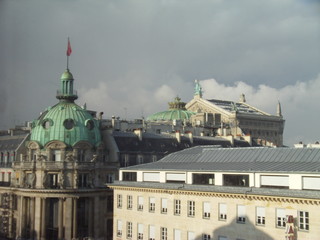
<point x="236" y="118"/>
<point x="207" y="192"/>
<point x="54" y="183"/>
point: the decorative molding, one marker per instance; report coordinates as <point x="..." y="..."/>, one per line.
<point x="242" y="196"/>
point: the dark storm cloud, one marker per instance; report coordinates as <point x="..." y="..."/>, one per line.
<point x="138" y="55"/>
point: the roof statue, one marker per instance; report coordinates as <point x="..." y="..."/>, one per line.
<point x="197" y="89"/>
<point x="242" y="98"/>
<point x="279" y="113"/>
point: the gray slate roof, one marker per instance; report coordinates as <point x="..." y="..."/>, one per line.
<point x="210" y="158"/>
<point x="11" y="143"/>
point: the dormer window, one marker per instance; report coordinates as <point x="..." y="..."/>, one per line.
<point x="89" y="124"/>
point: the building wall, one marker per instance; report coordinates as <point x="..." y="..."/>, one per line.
<point x="212" y="226"/>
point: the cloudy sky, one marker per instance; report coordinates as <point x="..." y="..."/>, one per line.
<point x="131" y="57"/>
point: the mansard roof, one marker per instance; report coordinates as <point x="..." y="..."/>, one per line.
<point x="210" y="158"/>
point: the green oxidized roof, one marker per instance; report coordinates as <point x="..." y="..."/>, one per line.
<point x="66" y="121"/>
<point x="176" y="111"/>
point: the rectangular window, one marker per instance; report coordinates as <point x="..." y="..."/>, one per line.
<point x="275" y="181"/>
<point x="206" y="210"/>
<point x="110" y="177"/>
<point x="206" y="236"/>
<point x="304" y="220"/>
<point x="281" y="217"/>
<point x="83" y="180"/>
<point x="119" y="228"/>
<point x="129" y="176"/>
<point x="129" y="202"/>
<point x="140" y="231"/>
<point x="260" y="216"/>
<point x="203" y="179"/>
<point x="152" y="204"/>
<point x="222" y="211"/>
<point x="177" y="207"/>
<point x="241" y="214"/>
<point x="191" y="208"/>
<point x="119" y="201"/>
<point x="312" y="183"/>
<point x="151" y="177"/>
<point x="164" y="205"/>
<point x="140" y="203"/>
<point x="176" y="177"/>
<point x="235" y="180"/>
<point x="129" y="229"/>
<point x="152" y="232"/>
<point x="164" y="233"/>
<point x="177" y="234"/>
<point x="191" y="236"/>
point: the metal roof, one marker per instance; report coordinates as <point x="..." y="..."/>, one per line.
<point x="11" y="143"/>
<point x="209" y="158"/>
<point x="233" y="106"/>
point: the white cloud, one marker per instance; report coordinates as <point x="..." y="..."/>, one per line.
<point x="300" y="104"/>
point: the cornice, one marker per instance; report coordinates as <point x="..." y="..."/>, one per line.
<point x="243" y="196"/>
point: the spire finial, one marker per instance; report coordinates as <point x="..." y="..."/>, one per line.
<point x="279" y="113"/>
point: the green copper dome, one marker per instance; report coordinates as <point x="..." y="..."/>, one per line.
<point x="66" y="121"/>
<point x="177" y="111"/>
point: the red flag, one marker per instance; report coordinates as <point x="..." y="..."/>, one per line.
<point x="69" y="50"/>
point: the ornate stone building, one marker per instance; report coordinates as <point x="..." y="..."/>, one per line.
<point x="236" y="119"/>
<point x="56" y="188"/>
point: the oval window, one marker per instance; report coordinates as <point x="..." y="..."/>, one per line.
<point x="89" y="124"/>
<point x="47" y="123"/>
<point x="68" y="123"/>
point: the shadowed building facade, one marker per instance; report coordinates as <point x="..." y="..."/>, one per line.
<point x="56" y="187"/>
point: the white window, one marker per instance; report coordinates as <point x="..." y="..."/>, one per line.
<point x="222" y="211"/>
<point x="152" y="204"/>
<point x="206" y="236"/>
<point x="177" y="207"/>
<point x="151" y="177"/>
<point x="164" y="205"/>
<point x="260" y="215"/>
<point x="176" y="177"/>
<point x="129" y="202"/>
<point x="56" y="155"/>
<point x="140" y="203"/>
<point x="275" y="181"/>
<point x="191" y="208"/>
<point x="191" y="236"/>
<point x="281" y="217"/>
<point x="206" y="209"/>
<point x="129" y="229"/>
<point x="312" y="183"/>
<point x="119" y="201"/>
<point x="164" y="233"/>
<point x="177" y="234"/>
<point x="119" y="228"/>
<point x="303" y="220"/>
<point x="241" y="214"/>
<point x="152" y="232"/>
<point x="140" y="231"/>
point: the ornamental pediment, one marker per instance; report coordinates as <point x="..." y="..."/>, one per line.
<point x="55" y="145"/>
<point x="83" y="145"/>
<point x="33" y="145"/>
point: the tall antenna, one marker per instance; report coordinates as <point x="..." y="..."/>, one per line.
<point x="69" y="51"/>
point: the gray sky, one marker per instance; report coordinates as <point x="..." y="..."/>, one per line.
<point x="131" y="57"/>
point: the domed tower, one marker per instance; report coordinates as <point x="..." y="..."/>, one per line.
<point x="177" y="111"/>
<point x="61" y="180"/>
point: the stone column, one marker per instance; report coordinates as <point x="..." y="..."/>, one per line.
<point x="90" y="216"/>
<point x="68" y="215"/>
<point x="43" y="219"/>
<point x="32" y="216"/>
<point x="21" y="216"/>
<point x="97" y="214"/>
<point x="37" y="217"/>
<point x="74" y="218"/>
<point x="60" y="221"/>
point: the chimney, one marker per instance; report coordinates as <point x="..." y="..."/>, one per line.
<point x="178" y="136"/>
<point x="190" y="135"/>
<point x="138" y="132"/>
